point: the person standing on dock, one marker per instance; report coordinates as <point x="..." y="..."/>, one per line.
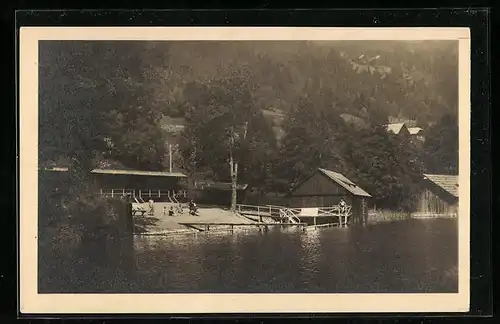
<point x="151" y="207"/>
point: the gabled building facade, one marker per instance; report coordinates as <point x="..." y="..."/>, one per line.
<point x="325" y="188"/>
<point x="438" y="196"/>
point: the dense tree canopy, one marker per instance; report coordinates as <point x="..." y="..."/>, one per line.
<point x="94" y="102"/>
<point x="289" y="100"/>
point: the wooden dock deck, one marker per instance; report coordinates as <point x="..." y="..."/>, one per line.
<point x="205" y="226"/>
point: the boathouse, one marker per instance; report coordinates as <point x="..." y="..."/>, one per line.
<point x="140" y="183"/>
<point x="438" y="196"/>
<point x="325" y="188"/>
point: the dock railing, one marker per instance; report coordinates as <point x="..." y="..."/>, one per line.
<point x="261" y="210"/>
<point x="115" y="193"/>
<point x="141" y="193"/>
<point x="335" y="210"/>
<point x="264" y="210"/>
<point x="293" y="215"/>
<point x="281" y="212"/>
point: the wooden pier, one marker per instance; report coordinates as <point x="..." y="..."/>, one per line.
<point x="280" y="214"/>
<point x="205" y="226"/>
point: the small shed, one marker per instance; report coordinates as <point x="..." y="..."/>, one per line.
<point x="326" y="188"/>
<point x="438" y="196"/>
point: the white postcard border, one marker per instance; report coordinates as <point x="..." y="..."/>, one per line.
<point x="33" y="302"/>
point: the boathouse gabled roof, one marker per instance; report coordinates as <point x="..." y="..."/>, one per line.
<point x="205" y="184"/>
<point x="448" y="183"/>
<point x="347" y="184"/>
<point x="124" y="172"/>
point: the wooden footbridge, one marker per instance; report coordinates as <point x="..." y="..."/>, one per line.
<point x="333" y="215"/>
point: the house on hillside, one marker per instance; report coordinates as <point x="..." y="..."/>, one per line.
<point x="325" y="188"/>
<point x="416" y="133"/>
<point x="438" y="196"/>
<point x="217" y="193"/>
<point x="398" y="129"/>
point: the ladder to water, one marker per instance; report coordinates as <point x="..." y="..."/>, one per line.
<point x="289" y="215"/>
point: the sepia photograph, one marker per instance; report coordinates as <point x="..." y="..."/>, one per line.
<point x="194" y="165"/>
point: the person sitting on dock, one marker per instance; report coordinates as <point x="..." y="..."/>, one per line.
<point x="171" y="211"/>
<point x="193" y="210"/>
<point x="343" y="206"/>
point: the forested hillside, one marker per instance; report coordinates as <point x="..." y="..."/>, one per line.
<point x="281" y="109"/>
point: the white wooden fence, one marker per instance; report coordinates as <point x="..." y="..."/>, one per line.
<point x="139" y="193"/>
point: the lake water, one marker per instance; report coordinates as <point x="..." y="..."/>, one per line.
<point x="404" y="256"/>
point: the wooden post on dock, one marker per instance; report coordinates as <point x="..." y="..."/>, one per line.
<point x="314" y="221"/>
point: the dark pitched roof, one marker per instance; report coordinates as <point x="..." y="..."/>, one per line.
<point x="415" y="130"/>
<point x="218" y="185"/>
<point x="122" y="171"/>
<point x="139" y="172"/>
<point x="345" y="183"/>
<point x="448" y="183"/>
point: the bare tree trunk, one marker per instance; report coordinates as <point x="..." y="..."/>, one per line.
<point x="234" y="169"/>
<point x="234" y="178"/>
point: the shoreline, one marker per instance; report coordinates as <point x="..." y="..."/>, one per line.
<point x="224" y="221"/>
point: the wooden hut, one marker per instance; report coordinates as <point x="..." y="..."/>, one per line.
<point x="217" y="193"/>
<point x="325" y="188"/>
<point x="438" y="196"/>
<point x="117" y="182"/>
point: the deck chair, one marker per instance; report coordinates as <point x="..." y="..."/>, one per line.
<point x="137" y="209"/>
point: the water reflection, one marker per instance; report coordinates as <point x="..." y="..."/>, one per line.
<point x="405" y="256"/>
<point x="309" y="245"/>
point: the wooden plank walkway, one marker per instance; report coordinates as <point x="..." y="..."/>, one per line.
<point x="205" y="226"/>
<point x="241" y="224"/>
